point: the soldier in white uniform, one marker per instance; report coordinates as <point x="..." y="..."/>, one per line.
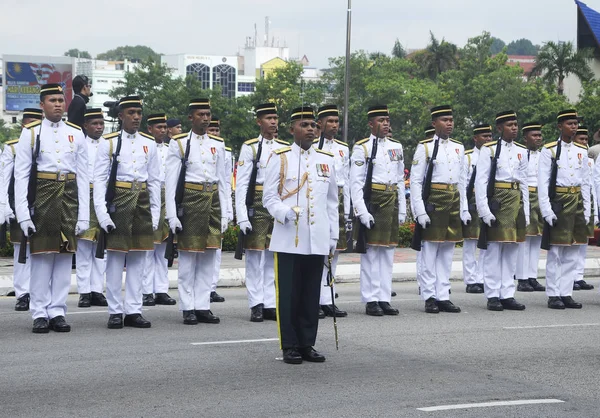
<point x="61" y="208"/>
<point x="441" y="216"/>
<point x="328" y="120"/>
<point x="473" y="267"/>
<point x="580" y="284"/>
<point x="136" y="212"/>
<point x="214" y="128"/>
<point x="301" y="194"/>
<point x="256" y="222"/>
<point x="89" y="269"/>
<point x="21" y="272"/>
<point x="155" y="286"/>
<point x="505" y="214"/>
<point x="202" y="217"/>
<point x="568" y="213"/>
<point x="387" y="210"/>
<point x="529" y="251"/>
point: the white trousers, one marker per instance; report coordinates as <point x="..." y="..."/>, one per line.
<point x="472" y="265"/>
<point x="49" y="285"/>
<point x="156" y="272"/>
<point x="500" y="260"/>
<point x="21" y="272"/>
<point x="376" y="274"/>
<point x="260" y="278"/>
<point x="132" y="303"/>
<point x="436" y="266"/>
<point x="89" y="269"/>
<point x="325" y="298"/>
<point x="528" y="258"/>
<point x="194" y="281"/>
<point x="581" y="262"/>
<point x="213" y="287"/>
<point x="561" y="269"/>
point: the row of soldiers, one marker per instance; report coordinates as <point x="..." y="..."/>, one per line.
<point x="182" y="189"/>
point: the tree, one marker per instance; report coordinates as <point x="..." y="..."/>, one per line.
<point x="437" y="57"/>
<point x="556" y="61"/>
<point x="76" y="53"/>
<point x="497" y="45"/>
<point x="8" y="132"/>
<point x="398" y="50"/>
<point x="521" y="47"/>
<point x="132" y="53"/>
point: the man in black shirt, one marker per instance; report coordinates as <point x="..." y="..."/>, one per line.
<point x="83" y="92"/>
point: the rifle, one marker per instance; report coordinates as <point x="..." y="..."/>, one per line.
<point x="31" y="192"/>
<point x="330" y="281"/>
<point x="415" y="244"/>
<point x="482" y="242"/>
<point x="171" y="251"/>
<point x="109" y="197"/>
<point x="556" y="207"/>
<point x="361" y="239"/>
<point x="239" y="249"/>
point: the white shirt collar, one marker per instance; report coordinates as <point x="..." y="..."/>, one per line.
<point x="50" y="124"/>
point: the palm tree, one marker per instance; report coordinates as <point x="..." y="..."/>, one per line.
<point x="437" y="57"/>
<point x="556" y="61"/>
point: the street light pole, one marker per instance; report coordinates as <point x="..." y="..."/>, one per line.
<point x="347" y="76"/>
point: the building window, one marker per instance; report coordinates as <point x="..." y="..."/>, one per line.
<point x="201" y="72"/>
<point x="225" y="76"/>
<point x="245" y="87"/>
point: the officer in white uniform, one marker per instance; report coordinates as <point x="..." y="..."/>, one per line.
<point x="202" y="218"/>
<point x="301" y="194"/>
<point x="328" y="119"/>
<point x="21" y="272"/>
<point x="569" y="212"/>
<point x="62" y="176"/>
<point x="89" y="269"/>
<point x="136" y="215"/>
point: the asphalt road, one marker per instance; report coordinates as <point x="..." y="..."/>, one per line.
<point x="386" y="367"/>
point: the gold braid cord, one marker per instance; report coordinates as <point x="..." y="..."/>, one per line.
<point x="282" y="188"/>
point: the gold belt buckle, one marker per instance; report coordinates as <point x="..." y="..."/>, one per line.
<point x="207" y="187"/>
<point x="136" y="185"/>
<point x="61" y="176"/>
<point x="572" y="189"/>
<point x="515" y="186"/>
<point x="388" y="187"/>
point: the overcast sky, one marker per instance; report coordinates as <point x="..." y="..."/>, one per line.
<point x="316" y="28"/>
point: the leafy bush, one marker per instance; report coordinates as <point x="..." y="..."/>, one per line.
<point x="230" y="238"/>
<point x="406" y="233"/>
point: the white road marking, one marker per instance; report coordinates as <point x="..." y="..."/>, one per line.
<point x="489" y="404"/>
<point x="554" y="326"/>
<point x="261" y="340"/>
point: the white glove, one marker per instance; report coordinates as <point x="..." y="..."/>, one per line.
<point x="291" y="215"/>
<point x="224" y="225"/>
<point x="332" y="246"/>
<point x="8" y="214"/>
<point x="81" y="226"/>
<point x="550" y="219"/>
<point x="175" y="224"/>
<point x="424" y="220"/>
<point x="106" y="223"/>
<point x="25" y="226"/>
<point x="527" y="221"/>
<point x="489" y="219"/>
<point x="465" y="217"/>
<point x="366" y="219"/>
<point x="245" y="227"/>
<point x="401" y="218"/>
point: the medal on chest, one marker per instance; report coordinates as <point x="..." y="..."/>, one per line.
<point x="71" y="139"/>
<point x="145" y="149"/>
<point x="323" y="170"/>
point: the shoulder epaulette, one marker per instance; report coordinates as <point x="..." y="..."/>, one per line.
<point x="251" y="141"/>
<point x="520" y="145"/>
<point x="362" y="141"/>
<point x="14" y="141"/>
<point x="324" y="152"/>
<point x="216" y="138"/>
<point x="178" y="136"/>
<point x="316" y="140"/>
<point x="551" y="144"/>
<point x="469" y="151"/>
<point x="282" y="142"/>
<point x="33" y="124"/>
<point x="145" y="135"/>
<point x="341" y="142"/>
<point x="72" y="125"/>
<point x="455" y="141"/>
<point x="489" y="144"/>
<point x="426" y="141"/>
<point x="393" y="140"/>
<point x="228" y="149"/>
<point x="282" y="150"/>
<point x="580" y="146"/>
<point x="111" y="135"/>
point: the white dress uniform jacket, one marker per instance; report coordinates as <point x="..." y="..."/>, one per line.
<point x="341" y="155"/>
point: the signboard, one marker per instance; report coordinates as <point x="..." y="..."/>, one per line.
<point x="23" y="80"/>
